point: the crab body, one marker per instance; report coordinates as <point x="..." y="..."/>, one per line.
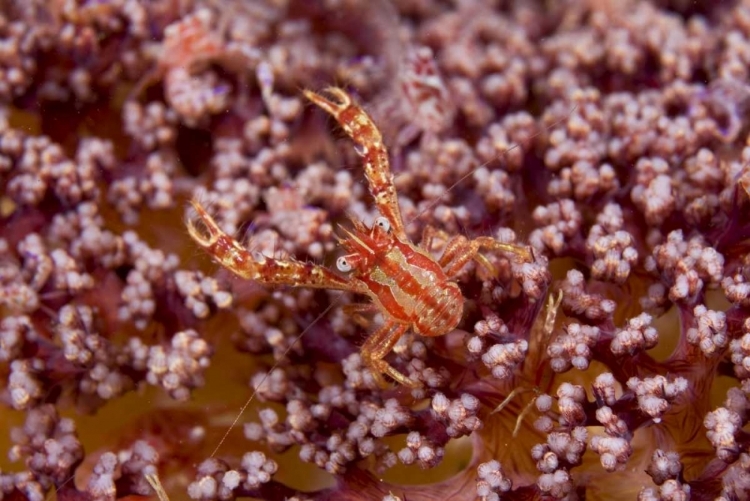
<point x="403" y="280"/>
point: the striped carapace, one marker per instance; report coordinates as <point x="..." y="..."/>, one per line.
<point x="406" y="284"/>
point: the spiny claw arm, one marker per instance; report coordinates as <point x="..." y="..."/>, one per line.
<point x="360" y="127"/>
<point x="233" y="256"/>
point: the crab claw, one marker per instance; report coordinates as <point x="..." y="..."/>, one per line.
<point x="202" y="227"/>
<point x="334" y="108"/>
<point x="355" y="122"/>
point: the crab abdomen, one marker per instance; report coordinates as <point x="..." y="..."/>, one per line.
<point x="413" y="289"/>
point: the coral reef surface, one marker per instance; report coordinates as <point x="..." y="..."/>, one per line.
<point x="610" y="136"/>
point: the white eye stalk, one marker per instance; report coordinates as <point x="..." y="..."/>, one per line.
<point x="384" y="224"/>
<point x="343" y="265"/>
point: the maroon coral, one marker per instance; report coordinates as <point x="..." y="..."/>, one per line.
<point x="611" y="137"/>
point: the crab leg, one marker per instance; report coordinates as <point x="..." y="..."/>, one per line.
<point x="359" y="126"/>
<point x="358" y="311"/>
<point x="233" y="256"/>
<point x="429" y="234"/>
<point x="377" y="346"/>
<point x="459" y="251"/>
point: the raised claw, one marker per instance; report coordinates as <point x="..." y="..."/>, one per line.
<point x="334" y="108"/>
<point x="369" y="143"/>
<point x="234" y="257"/>
<point x="202" y="228"/>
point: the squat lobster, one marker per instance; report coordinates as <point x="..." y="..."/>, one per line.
<point x="410" y="288"/>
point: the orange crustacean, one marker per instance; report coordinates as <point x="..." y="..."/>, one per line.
<point x="412" y="290"/>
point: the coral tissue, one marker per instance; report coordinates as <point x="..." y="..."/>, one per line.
<point x="611" y="137"/>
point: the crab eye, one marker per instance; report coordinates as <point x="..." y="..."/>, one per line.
<point x="343" y="265"/>
<point x="384" y="224"/>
